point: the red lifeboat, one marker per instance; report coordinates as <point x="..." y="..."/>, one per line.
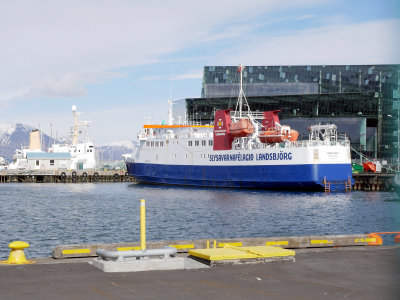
<point x="274" y="131"/>
<point x="275" y="135"/>
<point x="241" y="128"/>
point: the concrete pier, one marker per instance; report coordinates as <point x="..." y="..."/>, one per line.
<point x="368" y="181"/>
<point x="323" y="273"/>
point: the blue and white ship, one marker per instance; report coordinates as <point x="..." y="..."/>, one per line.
<point x="242" y="149"/>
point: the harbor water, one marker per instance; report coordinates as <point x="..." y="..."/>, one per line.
<point x="47" y="215"/>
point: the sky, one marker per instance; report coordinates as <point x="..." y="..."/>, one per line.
<point x="119" y="61"/>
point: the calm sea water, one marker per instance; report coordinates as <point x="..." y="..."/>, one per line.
<point x="47" y="215"/>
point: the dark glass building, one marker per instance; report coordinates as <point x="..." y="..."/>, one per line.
<point x="362" y="100"/>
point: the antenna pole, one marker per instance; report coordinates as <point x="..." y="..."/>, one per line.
<point x="170" y="111"/>
<point x="241" y="90"/>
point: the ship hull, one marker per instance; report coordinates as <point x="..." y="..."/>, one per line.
<point x="307" y="176"/>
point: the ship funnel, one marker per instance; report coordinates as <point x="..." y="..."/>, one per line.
<point x="34" y="140"/>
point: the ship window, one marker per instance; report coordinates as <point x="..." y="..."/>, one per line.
<point x="161" y="144"/>
<point x="175" y="155"/>
<point x="210" y="143"/>
<point x="203" y="143"/>
<point x="152" y="144"/>
<point x="196" y="143"/>
<point x="147" y="144"/>
<point x="51" y="162"/>
<point x="157" y="144"/>
<point x="37" y="162"/>
<point x="190" y="143"/>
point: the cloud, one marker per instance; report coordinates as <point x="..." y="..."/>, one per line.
<point x="305" y="17"/>
<point x="375" y="42"/>
<point x="56" y="48"/>
<point x="192" y="74"/>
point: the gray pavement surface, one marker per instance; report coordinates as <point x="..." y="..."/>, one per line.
<point x="336" y="273"/>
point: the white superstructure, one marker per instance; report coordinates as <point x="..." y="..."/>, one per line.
<point x="76" y="154"/>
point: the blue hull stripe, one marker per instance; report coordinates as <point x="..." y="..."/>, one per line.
<point x="267" y="177"/>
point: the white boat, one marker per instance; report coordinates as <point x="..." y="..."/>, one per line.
<point x="76" y="154"/>
<point x="211" y="155"/>
<point x="3" y="165"/>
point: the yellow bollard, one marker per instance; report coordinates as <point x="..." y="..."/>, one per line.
<point x="215" y="244"/>
<point x="142" y="225"/>
<point x="208" y="244"/>
<point x="17" y="255"/>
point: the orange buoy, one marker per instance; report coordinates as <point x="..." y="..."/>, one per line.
<point x="377" y="237"/>
<point x="397" y="238"/>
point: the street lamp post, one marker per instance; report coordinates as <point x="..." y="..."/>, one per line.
<point x="398" y="139"/>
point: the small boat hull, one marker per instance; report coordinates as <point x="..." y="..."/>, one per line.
<point x="369" y="167"/>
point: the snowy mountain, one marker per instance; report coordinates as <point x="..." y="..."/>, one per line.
<point x="16" y="135"/>
<point x="114" y="151"/>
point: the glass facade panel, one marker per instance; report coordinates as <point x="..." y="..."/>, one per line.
<point x="337" y="92"/>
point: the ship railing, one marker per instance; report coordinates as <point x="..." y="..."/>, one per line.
<point x="254" y="115"/>
<point x="315" y="143"/>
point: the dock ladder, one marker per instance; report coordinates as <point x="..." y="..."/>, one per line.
<point x="327" y="185"/>
<point x="348" y="185"/>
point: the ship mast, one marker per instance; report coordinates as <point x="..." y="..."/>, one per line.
<point x="75" y="128"/>
<point x="239" y="104"/>
<point x="241" y="67"/>
<point x="77" y="125"/>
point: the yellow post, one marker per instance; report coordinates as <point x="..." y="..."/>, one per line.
<point x="142" y="225"/>
<point x="215" y="244"/>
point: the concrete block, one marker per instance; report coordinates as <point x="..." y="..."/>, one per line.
<point x="183" y="246"/>
<point x="191" y="264"/>
<point x="134" y="265"/>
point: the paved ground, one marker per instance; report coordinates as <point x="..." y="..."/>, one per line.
<point x="341" y="273"/>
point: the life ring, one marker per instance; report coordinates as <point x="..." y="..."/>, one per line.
<point x="116" y="177"/>
<point x="96" y="177"/>
<point x="63" y="177"/>
<point x="84" y="176"/>
<point x="73" y="176"/>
